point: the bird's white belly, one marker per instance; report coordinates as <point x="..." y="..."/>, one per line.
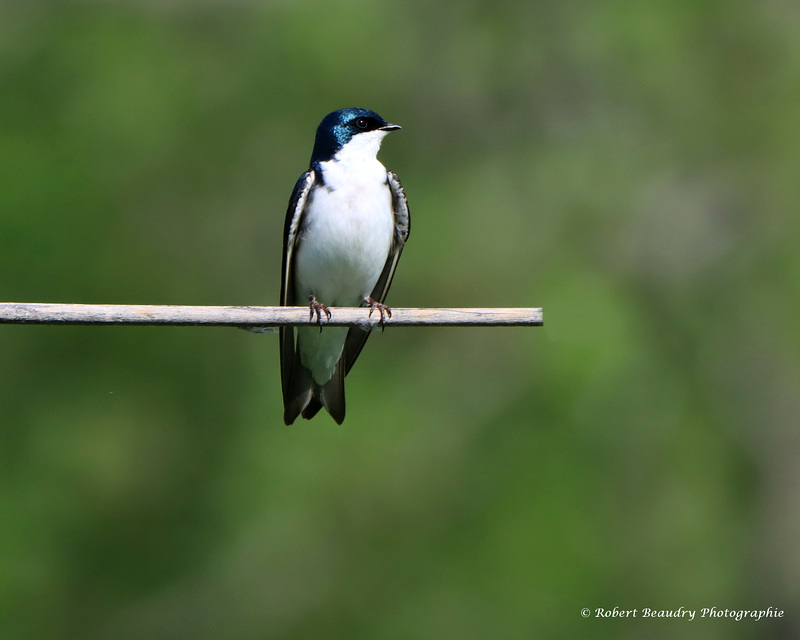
<point x="343" y="246"/>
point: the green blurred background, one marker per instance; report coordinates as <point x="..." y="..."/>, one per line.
<point x="631" y="167"/>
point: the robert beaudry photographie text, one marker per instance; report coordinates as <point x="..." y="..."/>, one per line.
<point x="688" y="614"/>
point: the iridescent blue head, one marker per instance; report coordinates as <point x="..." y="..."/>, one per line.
<point x="339" y="127"/>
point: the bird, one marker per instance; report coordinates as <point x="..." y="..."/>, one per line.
<point x="346" y="225"/>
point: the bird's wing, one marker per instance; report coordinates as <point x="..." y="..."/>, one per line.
<point x="356" y="337"/>
<point x="294" y="216"/>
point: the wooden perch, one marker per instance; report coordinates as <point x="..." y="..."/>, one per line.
<point x="256" y="317"/>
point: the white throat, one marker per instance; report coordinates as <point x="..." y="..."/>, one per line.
<point x="361" y="147"/>
<point x="356" y="164"/>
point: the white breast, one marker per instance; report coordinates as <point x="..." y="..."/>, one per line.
<point x="346" y="233"/>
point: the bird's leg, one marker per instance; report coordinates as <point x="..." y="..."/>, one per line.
<point x="382" y="308"/>
<point x="319" y="309"/>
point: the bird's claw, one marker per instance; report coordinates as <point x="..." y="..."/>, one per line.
<point x="382" y="309"/>
<point x="319" y="309"/>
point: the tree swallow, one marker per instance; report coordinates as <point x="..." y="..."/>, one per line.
<point x="346" y="226"/>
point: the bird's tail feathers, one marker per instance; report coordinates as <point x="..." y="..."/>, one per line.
<point x="305" y="397"/>
<point x="331" y="394"/>
<point x="299" y="393"/>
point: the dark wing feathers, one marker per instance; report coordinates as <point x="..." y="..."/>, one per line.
<point x="294" y="214"/>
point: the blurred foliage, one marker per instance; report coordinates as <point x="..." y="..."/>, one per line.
<point x="631" y="167"/>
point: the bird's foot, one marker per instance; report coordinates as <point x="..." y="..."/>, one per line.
<point x="319" y="309"/>
<point x="382" y="308"/>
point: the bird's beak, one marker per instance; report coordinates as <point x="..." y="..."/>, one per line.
<point x="390" y="127"/>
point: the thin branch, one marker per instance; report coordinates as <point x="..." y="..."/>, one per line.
<point x="256" y="317"/>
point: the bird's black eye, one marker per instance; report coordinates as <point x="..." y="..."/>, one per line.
<point x="362" y="123"/>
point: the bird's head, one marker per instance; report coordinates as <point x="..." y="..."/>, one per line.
<point x="347" y="127"/>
